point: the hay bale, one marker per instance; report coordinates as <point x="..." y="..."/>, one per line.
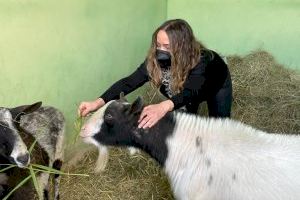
<point x="266" y="96"/>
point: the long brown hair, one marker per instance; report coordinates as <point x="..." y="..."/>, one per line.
<point x="184" y="49"/>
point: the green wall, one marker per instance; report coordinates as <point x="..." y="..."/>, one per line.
<point x="64" y="52"/>
<point x="241" y="26"/>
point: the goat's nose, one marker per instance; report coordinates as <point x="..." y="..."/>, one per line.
<point x="24" y="159"/>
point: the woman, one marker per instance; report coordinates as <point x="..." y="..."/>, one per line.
<point x="185" y="72"/>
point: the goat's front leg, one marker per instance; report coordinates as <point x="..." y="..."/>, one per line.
<point x="102" y="159"/>
<point x="57" y="165"/>
<point x="43" y="180"/>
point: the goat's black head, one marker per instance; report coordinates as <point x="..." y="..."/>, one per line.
<point x="12" y="147"/>
<point x="114" y="123"/>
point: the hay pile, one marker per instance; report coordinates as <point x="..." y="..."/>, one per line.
<point x="266" y="96"/>
<point x="126" y="177"/>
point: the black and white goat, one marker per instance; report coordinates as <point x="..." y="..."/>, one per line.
<point x="19" y="128"/>
<point x="205" y="158"/>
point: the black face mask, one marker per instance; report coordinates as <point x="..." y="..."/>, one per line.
<point x="163" y="58"/>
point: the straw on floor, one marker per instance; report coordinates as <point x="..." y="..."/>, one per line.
<point x="266" y="96"/>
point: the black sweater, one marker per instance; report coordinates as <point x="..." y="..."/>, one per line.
<point x="204" y="80"/>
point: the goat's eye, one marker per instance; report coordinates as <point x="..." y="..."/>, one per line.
<point x="108" y="118"/>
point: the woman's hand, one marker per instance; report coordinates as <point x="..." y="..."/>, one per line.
<point x="153" y="113"/>
<point x="87" y="107"/>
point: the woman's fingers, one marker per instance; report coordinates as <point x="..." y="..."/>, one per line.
<point x="150" y="116"/>
<point x="147" y="125"/>
<point x="81" y="108"/>
<point x="148" y="121"/>
<point x="144" y="121"/>
<point x="144" y="114"/>
<point x="84" y="109"/>
<point x="85" y="112"/>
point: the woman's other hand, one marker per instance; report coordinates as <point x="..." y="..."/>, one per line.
<point x="87" y="107"/>
<point x="153" y="113"/>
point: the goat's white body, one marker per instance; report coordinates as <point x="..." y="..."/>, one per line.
<point x="221" y="159"/>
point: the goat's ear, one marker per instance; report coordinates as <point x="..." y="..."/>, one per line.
<point x="17" y="112"/>
<point x="137" y="106"/>
<point x="122" y="97"/>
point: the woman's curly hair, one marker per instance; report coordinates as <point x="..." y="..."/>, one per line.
<point x="184" y="49"/>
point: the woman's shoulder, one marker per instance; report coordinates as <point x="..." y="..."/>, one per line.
<point x="207" y="58"/>
<point x="208" y="54"/>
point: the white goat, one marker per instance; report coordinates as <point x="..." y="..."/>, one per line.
<point x="205" y="158"/>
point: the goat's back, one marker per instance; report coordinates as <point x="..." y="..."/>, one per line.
<point x="225" y="159"/>
<point x="47" y="126"/>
